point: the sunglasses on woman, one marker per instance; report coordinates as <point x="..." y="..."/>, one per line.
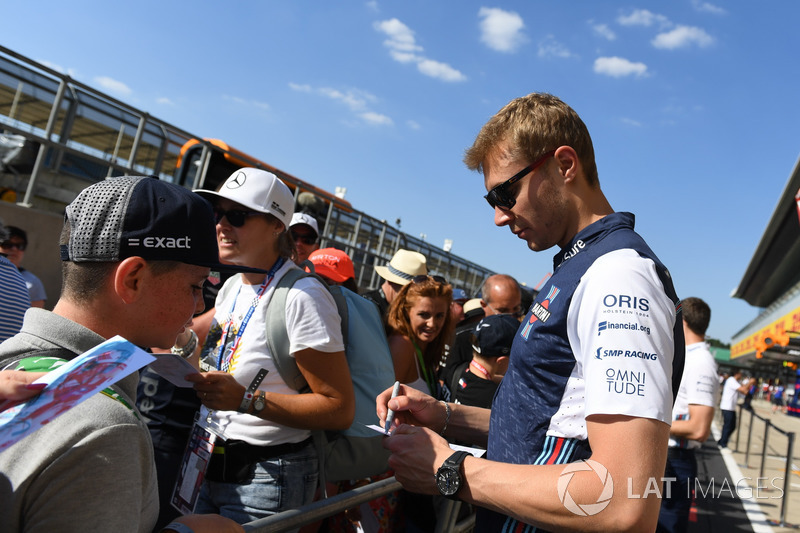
<point x="236" y="217"/>
<point x="501" y="196"/>
<point x="304" y="238"/>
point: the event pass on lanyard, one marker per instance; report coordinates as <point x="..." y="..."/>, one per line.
<point x="197" y="455"/>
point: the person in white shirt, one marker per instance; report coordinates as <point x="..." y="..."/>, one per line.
<point x="692" y="414"/>
<point x="727" y="405"/>
<point x="269" y="462"/>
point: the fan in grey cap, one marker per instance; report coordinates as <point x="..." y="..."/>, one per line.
<point x="136" y="253"/>
<point x="142" y="216"/>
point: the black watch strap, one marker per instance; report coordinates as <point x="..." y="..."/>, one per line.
<point x="456" y="459"/>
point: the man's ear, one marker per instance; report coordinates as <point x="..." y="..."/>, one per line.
<point x="568" y="162"/>
<point x="128" y="279"/>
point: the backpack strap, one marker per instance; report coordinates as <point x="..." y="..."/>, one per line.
<point x="278" y="337"/>
<point x="278" y="342"/>
<point x="456" y="376"/>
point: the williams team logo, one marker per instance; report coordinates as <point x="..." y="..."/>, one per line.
<point x="540" y="311"/>
<point x="585" y="509"/>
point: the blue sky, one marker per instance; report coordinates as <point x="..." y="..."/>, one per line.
<point x="692" y="105"/>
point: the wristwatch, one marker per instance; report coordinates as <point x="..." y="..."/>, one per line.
<point x="448" y="477"/>
<point x="187" y="349"/>
<point x="260" y="402"/>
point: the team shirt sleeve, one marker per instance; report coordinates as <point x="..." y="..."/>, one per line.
<point x="620" y="327"/>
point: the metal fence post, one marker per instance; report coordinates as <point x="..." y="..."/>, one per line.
<point x="738" y="427"/>
<point x="767" y="425"/>
<point x="786" y="480"/>
<point x="749" y="436"/>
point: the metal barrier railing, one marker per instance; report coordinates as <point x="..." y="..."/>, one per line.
<point x="789" y="452"/>
<point x="319" y="510"/>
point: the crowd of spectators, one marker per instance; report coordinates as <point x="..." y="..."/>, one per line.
<point x="534" y="368"/>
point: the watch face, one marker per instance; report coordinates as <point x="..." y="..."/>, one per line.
<point x="258" y="405"/>
<point x="448" y="480"/>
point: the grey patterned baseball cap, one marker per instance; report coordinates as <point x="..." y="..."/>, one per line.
<point x="142" y="216"/>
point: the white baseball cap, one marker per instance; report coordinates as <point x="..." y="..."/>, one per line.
<point x="308" y="220"/>
<point x="259" y="190"/>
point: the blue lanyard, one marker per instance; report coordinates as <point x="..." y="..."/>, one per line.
<point x="240" y="332"/>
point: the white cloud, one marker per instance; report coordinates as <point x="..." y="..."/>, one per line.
<point x="401" y="37"/>
<point x="501" y="30"/>
<point x="164" y="101"/>
<point x="442" y="71"/>
<point x="681" y="37"/>
<point x="113" y="86"/>
<point x="552" y="48"/>
<point x="413" y="124"/>
<point x="372" y="5"/>
<point x="706" y="7"/>
<point x="618" y="67"/>
<point x="404" y="57"/>
<point x="403" y="48"/>
<point x="356" y="100"/>
<point x="376" y="118"/>
<point x="643" y="17"/>
<point x="604" y="31"/>
<point x="631" y="122"/>
<point x="300" y="88"/>
<point x="238" y="100"/>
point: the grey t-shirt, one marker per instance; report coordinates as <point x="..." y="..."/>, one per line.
<point x="91" y="468"/>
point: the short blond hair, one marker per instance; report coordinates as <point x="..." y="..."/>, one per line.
<point x="531" y="126"/>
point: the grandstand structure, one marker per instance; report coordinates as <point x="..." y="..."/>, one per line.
<point x="57" y="136"/>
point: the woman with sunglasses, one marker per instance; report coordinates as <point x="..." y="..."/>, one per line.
<point x="269" y="463"/>
<point x="420" y="324"/>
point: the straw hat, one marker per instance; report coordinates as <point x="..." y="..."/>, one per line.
<point x="404" y="266"/>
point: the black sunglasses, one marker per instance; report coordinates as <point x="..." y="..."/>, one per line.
<point x="423" y="278"/>
<point x="500" y="195"/>
<point x="10" y="244"/>
<point x="305" y="239"/>
<point x="236" y="217"/>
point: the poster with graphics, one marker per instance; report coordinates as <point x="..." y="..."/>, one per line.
<point x="70" y="384"/>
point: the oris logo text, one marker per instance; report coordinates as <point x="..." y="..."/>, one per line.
<point x="626" y="305"/>
<point x="624" y="301"/>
